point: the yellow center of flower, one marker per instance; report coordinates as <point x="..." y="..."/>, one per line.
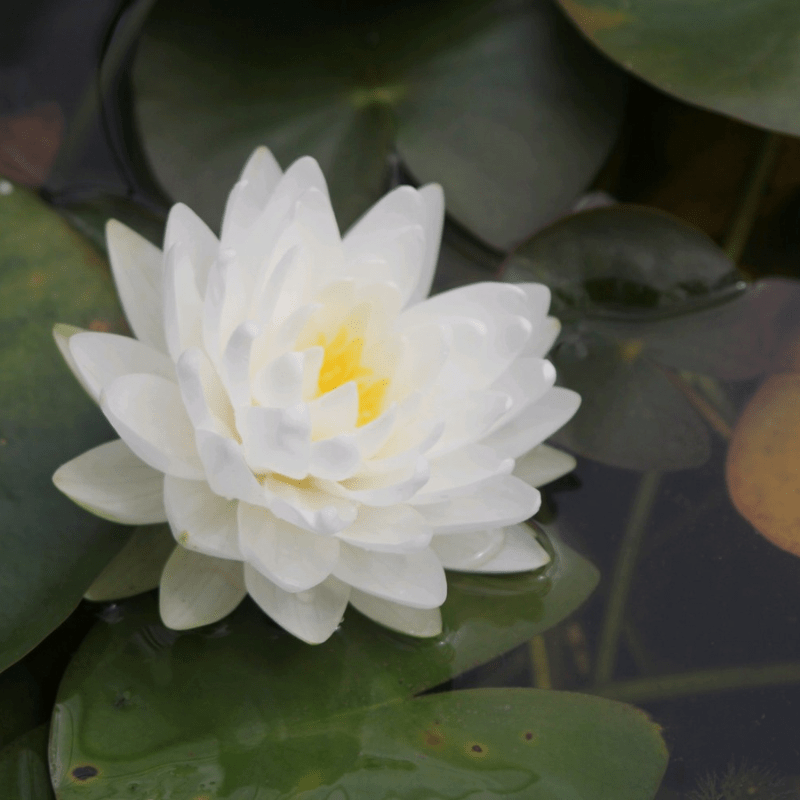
<point x="341" y="363"/>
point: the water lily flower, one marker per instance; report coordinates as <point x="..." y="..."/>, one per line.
<point x="314" y="430"/>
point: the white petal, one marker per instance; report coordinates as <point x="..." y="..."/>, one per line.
<point x="520" y="553"/>
<point x="148" y="413"/>
<point x="534" y="423"/>
<point x="525" y="381"/>
<point x="183" y="306"/>
<point x="312" y="615"/>
<point x="412" y="579"/>
<point x="260" y="176"/>
<point x="469" y="418"/>
<point x="462" y="471"/>
<point x="421" y="622"/>
<point x="543" y="464"/>
<point x="374" y="435"/>
<point x="226" y="470"/>
<point x="543" y="337"/>
<point x="138" y="270"/>
<point x="276" y="439"/>
<point x="201" y="520"/>
<point x="335" y="459"/>
<point x="236" y="363"/>
<point x="308" y="505"/>
<point x="113" y="483"/>
<point x="101" y="358"/>
<point x="334" y="412"/>
<point x="395" y="529"/>
<point x="292" y="558"/>
<point x="198" y="590"/>
<point x="225" y="303"/>
<point x="195" y="238"/>
<point x="396" y="229"/>
<point x="203" y="394"/>
<point x="424" y="352"/>
<point x="62" y="334"/>
<point x="280" y="383"/>
<point x="498" y="502"/>
<point x="485" y="302"/>
<point x="433" y="198"/>
<point x="538" y="296"/>
<point x="136" y="568"/>
<point x="387" y="488"/>
<point x="402" y="249"/>
<point x="468" y="550"/>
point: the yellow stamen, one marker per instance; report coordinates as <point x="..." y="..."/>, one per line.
<point x="341" y="363"/>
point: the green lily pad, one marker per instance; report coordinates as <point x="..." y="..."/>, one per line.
<point x="622" y="261"/>
<point x="505" y="106"/>
<point x="51" y="550"/>
<point x="23" y="767"/>
<point x="242" y="709"/>
<point x="736" y="57"/>
<point x="641" y="294"/>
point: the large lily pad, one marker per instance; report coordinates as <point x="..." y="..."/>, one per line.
<point x="644" y="296"/>
<point x="737" y="57"/>
<point x="50" y="549"/>
<point x="243" y="710"/>
<point x="501" y="103"/>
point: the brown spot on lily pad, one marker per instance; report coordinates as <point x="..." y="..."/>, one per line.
<point x="434" y="737"/>
<point x="85" y="772"/>
<point x="477" y="750"/>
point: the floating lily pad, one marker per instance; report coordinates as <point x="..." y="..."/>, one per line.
<point x="242" y="709"/>
<point x="736" y="57"/>
<point x="50" y="550"/>
<point x="502" y="104"/>
<point x="644" y="296"/>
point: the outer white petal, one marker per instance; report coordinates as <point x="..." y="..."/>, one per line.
<point x="538" y="301"/>
<point x="461" y="472"/>
<point x="183" y="306"/>
<point x="395" y="529"/>
<point x="198" y="590"/>
<point x="138" y="270"/>
<point x="543" y="337"/>
<point x="469" y="418"/>
<point x="312" y="615"/>
<point x="101" y="358"/>
<point x="520" y="553"/>
<point x="250" y="196"/>
<point x="485" y="302"/>
<point x="498" y="502"/>
<point x="62" y="334"/>
<point x="201" y="520"/>
<point x="148" y="413"/>
<point x="525" y="381"/>
<point x="421" y="622"/>
<point x="468" y="550"/>
<point x="412" y="579"/>
<point x="113" y="483"/>
<point x="195" y="238"/>
<point x="292" y="558"/>
<point x="543" y="464"/>
<point x="433" y="198"/>
<point x="136" y="568"/>
<point x="534" y="423"/>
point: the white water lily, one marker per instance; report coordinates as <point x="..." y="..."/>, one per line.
<point x="314" y="430"/>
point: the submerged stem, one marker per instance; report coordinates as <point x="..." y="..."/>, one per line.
<point x="623" y="574"/>
<point x="686" y="684"/>
<point x="756" y="181"/>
